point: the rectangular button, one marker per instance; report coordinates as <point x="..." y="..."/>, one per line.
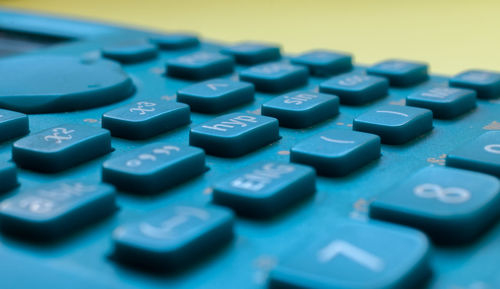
<point x="61" y="147"/>
<point x="265" y="189"/>
<point x="337" y="152"/>
<point x="13" y="124"/>
<point x="145" y="119"/>
<point x="234" y="134"/>
<point x="200" y="65"/>
<point x="173" y="238"/>
<point x="299" y="109"/>
<point x="154" y="167"/>
<point x="275" y="76"/>
<point x="56" y="209"/>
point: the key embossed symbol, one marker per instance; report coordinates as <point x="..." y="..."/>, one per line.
<point x="143" y="107"/>
<point x="493" y="148"/>
<point x="166" y="228"/>
<point x="166" y="150"/>
<point x="451" y="195"/>
<point x="358" y="255"/>
<point x="59" y="135"/>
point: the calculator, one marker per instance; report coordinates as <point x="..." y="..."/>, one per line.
<point x="145" y="159"/>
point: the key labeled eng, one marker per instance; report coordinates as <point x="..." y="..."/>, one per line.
<point x="154" y="167"/>
<point x="234" y="134"/>
<point x="62" y="147"/>
<point x="265" y="189"/>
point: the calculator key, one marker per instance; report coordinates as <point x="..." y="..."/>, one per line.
<point x="450" y="205"/>
<point x="324" y="62"/>
<point x="145" y="119"/>
<point x="175" y="41"/>
<point x="485" y="83"/>
<point x="216" y="95"/>
<point x="445" y="102"/>
<point x="13" y="124"/>
<point x="356" y="255"/>
<point x="395" y="124"/>
<point x="400" y="73"/>
<point x="130" y="53"/>
<point x="56" y="209"/>
<point x="275" y="76"/>
<point x="234" y="134"/>
<point x="265" y="189"/>
<point x="153" y="168"/>
<point x="481" y="154"/>
<point x="173" y="238"/>
<point x="249" y="53"/>
<point x="356" y="89"/>
<point x="44" y="83"/>
<point x="300" y="109"/>
<point x="337" y="152"/>
<point x="62" y="147"/>
<point x="8" y="177"/>
<point x="200" y="65"/>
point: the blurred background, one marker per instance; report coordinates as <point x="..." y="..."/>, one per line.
<point x="450" y="35"/>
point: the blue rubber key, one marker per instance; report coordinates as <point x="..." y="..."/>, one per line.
<point x="62" y="147"/>
<point x="234" y="134"/>
<point x="356" y="255"/>
<point x="154" y="167"/>
<point x="275" y="76"/>
<point x="174" y="237"/>
<point x="485" y="83"/>
<point x="450" y="205"/>
<point x="324" y="62"/>
<point x="265" y="189"/>
<point x="130" y="52"/>
<point x="395" y="124"/>
<point x="444" y="102"/>
<point x="249" y="53"/>
<point x="400" y="73"/>
<point x="145" y="119"/>
<point x="175" y="41"/>
<point x="200" y="65"/>
<point x="216" y="95"/>
<point x="56" y="209"/>
<point x="337" y="152"/>
<point x="8" y="177"/>
<point x="355" y="88"/>
<point x="299" y="109"/>
<point x="13" y="124"/>
<point x="481" y="154"/>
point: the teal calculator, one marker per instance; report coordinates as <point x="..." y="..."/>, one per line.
<point x="145" y="159"/>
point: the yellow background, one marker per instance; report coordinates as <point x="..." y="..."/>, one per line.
<point x="450" y="35"/>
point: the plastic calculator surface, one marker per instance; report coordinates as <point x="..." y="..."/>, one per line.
<point x="139" y="159"/>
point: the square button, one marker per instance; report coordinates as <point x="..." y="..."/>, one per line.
<point x="451" y="205"/>
<point x="299" y="109"/>
<point x="324" y="62"/>
<point x="399" y="72"/>
<point x="250" y="53"/>
<point x="216" y="95"/>
<point x="485" y="83"/>
<point x="337" y="152"/>
<point x="395" y="124"/>
<point x="200" y="65"/>
<point x="482" y="154"/>
<point x="355" y="88"/>
<point x="445" y="102"/>
<point x="275" y="76"/>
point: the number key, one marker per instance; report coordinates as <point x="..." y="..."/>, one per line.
<point x="451" y="205"/>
